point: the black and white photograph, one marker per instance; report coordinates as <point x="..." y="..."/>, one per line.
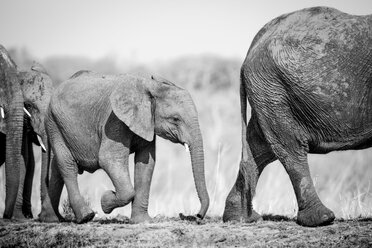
<point x="185" y="123"/>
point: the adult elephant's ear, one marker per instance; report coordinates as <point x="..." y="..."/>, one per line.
<point x="131" y="102"/>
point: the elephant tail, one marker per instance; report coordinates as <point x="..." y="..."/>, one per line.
<point x="243" y="107"/>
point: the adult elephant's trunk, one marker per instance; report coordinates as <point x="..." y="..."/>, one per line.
<point x="14" y="125"/>
<point x="197" y="162"/>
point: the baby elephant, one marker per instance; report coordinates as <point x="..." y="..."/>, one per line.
<point x="95" y="121"/>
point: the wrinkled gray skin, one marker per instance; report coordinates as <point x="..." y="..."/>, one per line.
<point x="23" y="203"/>
<point x="308" y="79"/>
<point x="30" y="90"/>
<point x="95" y="121"/>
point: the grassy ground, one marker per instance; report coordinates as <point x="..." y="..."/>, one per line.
<point x="274" y="231"/>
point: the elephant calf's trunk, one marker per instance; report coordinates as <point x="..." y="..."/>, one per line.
<point x="197" y="162"/>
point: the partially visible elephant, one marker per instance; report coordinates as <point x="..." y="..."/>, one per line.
<point x="95" y="121"/>
<point x="24" y="98"/>
<point x="23" y="203"/>
<point x="308" y="80"/>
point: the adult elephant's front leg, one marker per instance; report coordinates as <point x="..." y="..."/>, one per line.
<point x="30" y="169"/>
<point x="143" y="170"/>
<point x="25" y="186"/>
<point x="2" y="148"/>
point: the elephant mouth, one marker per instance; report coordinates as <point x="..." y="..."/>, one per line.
<point x="41" y="143"/>
<point x="187" y="148"/>
<point x="27" y="121"/>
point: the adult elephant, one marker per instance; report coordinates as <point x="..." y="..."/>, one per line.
<point x="22" y="207"/>
<point x="95" y="121"/>
<point x="308" y="79"/>
<point x="24" y="98"/>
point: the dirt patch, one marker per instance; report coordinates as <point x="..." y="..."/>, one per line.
<point x="273" y="231"/>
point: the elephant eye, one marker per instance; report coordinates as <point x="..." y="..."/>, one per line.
<point x="174" y="119"/>
<point x="28" y="106"/>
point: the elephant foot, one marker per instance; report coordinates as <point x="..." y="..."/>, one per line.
<point x="236" y="211"/>
<point x="110" y="201"/>
<point x="317" y="215"/>
<point x="140" y="218"/>
<point x="48" y="216"/>
<point x="253" y="218"/>
<point x="47" y="213"/>
<point x="229" y="216"/>
<point x="18" y="215"/>
<point x="85" y="214"/>
<point x="28" y="215"/>
<point x="27" y="212"/>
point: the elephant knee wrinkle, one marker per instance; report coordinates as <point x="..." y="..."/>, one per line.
<point x="305" y="186"/>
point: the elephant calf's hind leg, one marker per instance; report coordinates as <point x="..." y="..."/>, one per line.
<point x="49" y="209"/>
<point x="69" y="171"/>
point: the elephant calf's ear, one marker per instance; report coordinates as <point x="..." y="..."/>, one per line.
<point x="132" y="104"/>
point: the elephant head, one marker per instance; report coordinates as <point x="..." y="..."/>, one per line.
<point x="37" y="89"/>
<point x="158" y="107"/>
<point x="11" y="101"/>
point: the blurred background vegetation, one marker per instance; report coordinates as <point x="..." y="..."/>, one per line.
<point x="342" y="179"/>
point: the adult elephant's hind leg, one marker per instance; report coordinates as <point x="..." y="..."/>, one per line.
<point x="311" y="211"/>
<point x="113" y="159"/>
<point x="291" y="148"/>
<point x="255" y="157"/>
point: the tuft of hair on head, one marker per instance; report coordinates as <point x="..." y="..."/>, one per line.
<point x="164" y="81"/>
<point x="38" y="68"/>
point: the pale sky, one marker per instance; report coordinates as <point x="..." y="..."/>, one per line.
<point x="145" y="30"/>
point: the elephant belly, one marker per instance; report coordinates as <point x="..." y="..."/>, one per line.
<point x="87" y="166"/>
<point x="88" y="162"/>
<point x="355" y="143"/>
<point x="85" y="153"/>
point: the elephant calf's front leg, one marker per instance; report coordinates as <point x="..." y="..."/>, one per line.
<point x="144" y="167"/>
<point x="113" y="158"/>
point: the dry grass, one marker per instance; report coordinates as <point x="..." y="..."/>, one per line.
<point x="275" y="231"/>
